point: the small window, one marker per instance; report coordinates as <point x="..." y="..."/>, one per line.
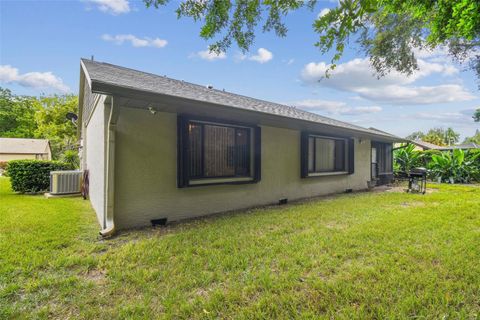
<point x="212" y="152"/>
<point x="326" y="155"/>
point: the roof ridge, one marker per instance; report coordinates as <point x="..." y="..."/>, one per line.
<point x="152" y="74"/>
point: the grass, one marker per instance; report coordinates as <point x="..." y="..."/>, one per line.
<point x="366" y="255"/>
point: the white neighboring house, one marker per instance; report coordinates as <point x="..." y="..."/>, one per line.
<point x="18" y="149"/>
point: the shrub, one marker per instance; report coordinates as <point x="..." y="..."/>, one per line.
<point x="407" y="158"/>
<point x="71" y="157"/>
<point x="455" y="166"/>
<point x="428" y="154"/>
<point x="475" y="155"/>
<point x="33" y="175"/>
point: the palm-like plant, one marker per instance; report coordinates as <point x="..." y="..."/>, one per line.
<point x="406" y="158"/>
<point x="455" y="167"/>
<point x="71" y="157"/>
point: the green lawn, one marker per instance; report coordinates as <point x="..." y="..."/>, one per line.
<point x="365" y="255"/>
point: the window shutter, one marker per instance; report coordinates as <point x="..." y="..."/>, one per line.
<point x="351" y="156"/>
<point x="257" y="154"/>
<point x="304" y="155"/>
<point x="182" y="168"/>
<point x="389" y="158"/>
<point x="340" y="155"/>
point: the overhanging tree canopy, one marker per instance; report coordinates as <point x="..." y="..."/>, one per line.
<point x="388" y="31"/>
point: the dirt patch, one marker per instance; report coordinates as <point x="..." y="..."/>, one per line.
<point x="398" y="189"/>
<point x="204" y="293"/>
<point x="387" y="188"/>
<point x="95" y="275"/>
<point x="412" y="204"/>
<point x="201" y="292"/>
<point x="336" y="226"/>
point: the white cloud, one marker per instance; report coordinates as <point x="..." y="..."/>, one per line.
<point x="359" y="73"/>
<point x="362" y="110"/>
<point x="452" y="118"/>
<point x="334" y="107"/>
<point x="397" y="94"/>
<point x="238" y="57"/>
<point x="427" y="68"/>
<point x="44" y="80"/>
<point x="316" y="104"/>
<point x="262" y="56"/>
<point x="210" y="55"/>
<point x="427" y="53"/>
<point x="135" y="41"/>
<point x="357" y="76"/>
<point x="438" y="116"/>
<point x="112" y="6"/>
<point x="290" y="61"/>
<point x="8" y="73"/>
<point x="323" y="12"/>
<point x="441" y="55"/>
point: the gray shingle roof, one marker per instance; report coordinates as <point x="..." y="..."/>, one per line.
<point x="23" y="146"/>
<point x="128" y="78"/>
<point x="426" y="145"/>
<point x="464" y="146"/>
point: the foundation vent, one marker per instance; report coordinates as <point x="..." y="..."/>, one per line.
<point x="159" y="222"/>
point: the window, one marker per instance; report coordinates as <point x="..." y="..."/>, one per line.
<point x="326" y="155"/>
<point x="211" y="152"/>
<point x="384" y="157"/>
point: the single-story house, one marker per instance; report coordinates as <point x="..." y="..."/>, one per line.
<point x="463" y="146"/>
<point x="421" y="145"/>
<point x="18" y="149"/>
<point x="157" y="148"/>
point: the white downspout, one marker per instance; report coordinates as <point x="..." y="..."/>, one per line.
<point x="108" y="220"/>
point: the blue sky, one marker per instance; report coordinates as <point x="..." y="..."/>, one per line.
<point x="41" y="44"/>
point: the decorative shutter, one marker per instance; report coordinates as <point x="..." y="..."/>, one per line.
<point x="257" y="140"/>
<point x="304" y="155"/>
<point x="182" y="145"/>
<point x="351" y="156"/>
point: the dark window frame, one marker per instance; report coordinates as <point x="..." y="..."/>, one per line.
<point x="384" y="157"/>
<point x="184" y="179"/>
<point x="314" y="154"/>
<point x="349" y="167"/>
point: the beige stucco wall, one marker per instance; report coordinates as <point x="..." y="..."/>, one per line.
<point x="45" y="155"/>
<point x="145" y="173"/>
<point x="16" y="156"/>
<point x="48" y="153"/>
<point x="94" y="157"/>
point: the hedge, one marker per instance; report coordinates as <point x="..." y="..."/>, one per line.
<point x="33" y="175"/>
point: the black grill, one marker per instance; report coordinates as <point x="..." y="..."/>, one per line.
<point x="417" y="180"/>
